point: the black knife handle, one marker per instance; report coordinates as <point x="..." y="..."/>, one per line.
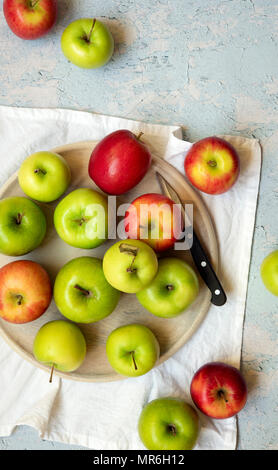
<point x="218" y="296"/>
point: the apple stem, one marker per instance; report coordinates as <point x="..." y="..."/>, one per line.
<point x="39" y="170"/>
<point x="51" y="374"/>
<point x="221" y="394"/>
<point x="133" y="358"/>
<point x="84" y="291"/>
<point x="129" y="250"/>
<point x="34" y="3"/>
<point x="19" y="219"/>
<point x="91" y="30"/>
<point x="170" y="287"/>
<point x="138" y="137"/>
<point x="172" y="429"/>
<point x="212" y="163"/>
<point x="19" y="299"/>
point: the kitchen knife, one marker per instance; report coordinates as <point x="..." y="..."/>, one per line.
<point x="218" y="296"/>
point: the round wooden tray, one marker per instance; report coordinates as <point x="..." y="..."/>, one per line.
<point x="54" y="253"/>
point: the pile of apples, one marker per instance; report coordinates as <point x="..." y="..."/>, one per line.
<point x="88" y="289"/>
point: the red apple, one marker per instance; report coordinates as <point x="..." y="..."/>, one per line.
<point x="212" y="165"/>
<point x="119" y="162"/>
<point x="154" y="219"/>
<point x="25" y="291"/>
<point x="30" y="19"/>
<point x="218" y="390"/>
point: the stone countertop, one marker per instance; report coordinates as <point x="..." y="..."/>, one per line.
<point x="211" y="66"/>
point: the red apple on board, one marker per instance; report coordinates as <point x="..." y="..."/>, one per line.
<point x="212" y="165"/>
<point x="25" y="291"/>
<point x="30" y="19"/>
<point x="119" y="162"/>
<point x="218" y="390"/>
<point x="154" y="219"/>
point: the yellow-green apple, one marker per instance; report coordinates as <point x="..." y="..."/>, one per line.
<point x="81" y="218"/>
<point x="44" y="176"/>
<point x="82" y="293"/>
<point x="269" y="272"/>
<point x="60" y="345"/>
<point x="218" y="390"/>
<point x="212" y="165"/>
<point x="30" y="19"/>
<point x="154" y="219"/>
<point x="132" y="350"/>
<point x="25" y="291"/>
<point x="173" y="290"/>
<point x="130" y="265"/>
<point x="168" y="424"/>
<point x="22" y="226"/>
<point x="87" y="43"/>
<point x="119" y="162"/>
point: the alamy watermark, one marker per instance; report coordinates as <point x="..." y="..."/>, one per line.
<point x="153" y="221"/>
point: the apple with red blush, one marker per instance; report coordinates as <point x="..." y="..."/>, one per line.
<point x="119" y="162"/>
<point x="155" y="220"/>
<point x="218" y="390"/>
<point x="30" y="19"/>
<point x="212" y="165"/>
<point x="25" y="291"/>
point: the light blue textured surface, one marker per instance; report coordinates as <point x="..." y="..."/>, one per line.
<point x="209" y="65"/>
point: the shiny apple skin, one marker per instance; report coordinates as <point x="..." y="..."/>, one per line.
<point x="29" y="280"/>
<point x="134" y="225"/>
<point x="27" y="22"/>
<point x="215" y="377"/>
<point x="119" y="162"/>
<point x="212" y="179"/>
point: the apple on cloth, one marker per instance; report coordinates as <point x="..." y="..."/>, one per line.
<point x="30" y="19"/>
<point x="117" y="406"/>
<point x="168" y="424"/>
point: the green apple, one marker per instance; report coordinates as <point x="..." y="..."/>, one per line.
<point x="132" y="350"/>
<point x="82" y="293"/>
<point x="44" y="176"/>
<point x="269" y="272"/>
<point x="173" y="289"/>
<point x="61" y="345"/>
<point x="87" y="43"/>
<point x="81" y="218"/>
<point x="130" y="265"/>
<point x="168" y="424"/>
<point x="22" y="226"/>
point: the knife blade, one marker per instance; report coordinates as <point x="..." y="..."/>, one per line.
<point x="201" y="260"/>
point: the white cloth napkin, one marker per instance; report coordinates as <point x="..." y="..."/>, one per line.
<point x="104" y="416"/>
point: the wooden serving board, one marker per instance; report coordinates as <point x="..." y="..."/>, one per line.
<point x="54" y="253"/>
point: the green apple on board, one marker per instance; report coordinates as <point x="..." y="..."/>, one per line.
<point x="60" y="345"/>
<point x="132" y="350"/>
<point x="81" y="292"/>
<point x="269" y="272"/>
<point x="130" y="265"/>
<point x="81" y="218"/>
<point x="173" y="289"/>
<point x="22" y="226"/>
<point x="168" y="424"/>
<point x="44" y="176"/>
<point x="87" y="43"/>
